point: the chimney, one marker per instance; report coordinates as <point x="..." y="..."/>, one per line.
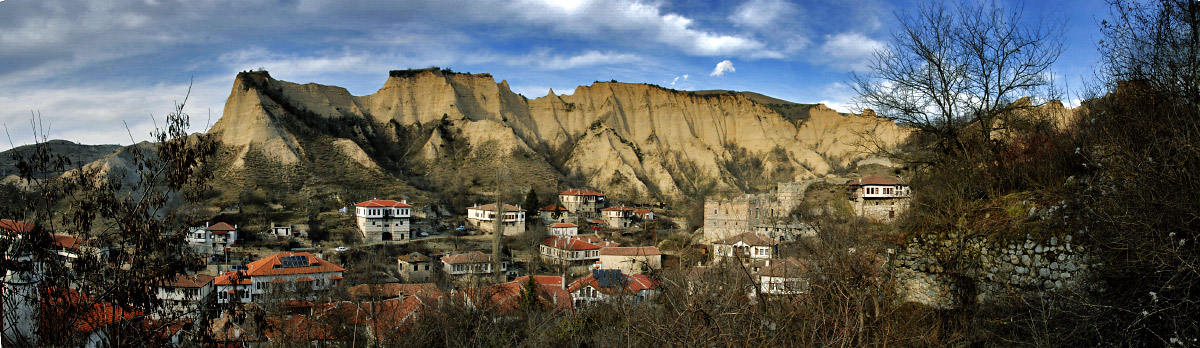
<point x="564" y="281"/>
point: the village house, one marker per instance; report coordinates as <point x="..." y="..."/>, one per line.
<point x="573" y="250"/>
<point x="564" y="229"/>
<point x="631" y="260"/>
<point x="381" y="220"/>
<point x="472" y="263"/>
<point x="643" y="214"/>
<point x="582" y="204"/>
<point x="483" y="217"/>
<point x="505" y="298"/>
<point x="213" y="239"/>
<point x="281" y="231"/>
<point x="784" y="277"/>
<point x="187" y="294"/>
<point x="296" y="272"/>
<point x="878" y="198"/>
<point x="618" y="217"/>
<point x="608" y="285"/>
<point x="750" y="248"/>
<point x="555" y="213"/>
<point x="415" y="267"/>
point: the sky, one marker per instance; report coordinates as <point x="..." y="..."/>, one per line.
<point x="108" y="72"/>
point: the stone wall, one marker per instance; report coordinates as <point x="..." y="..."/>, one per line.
<point x="990" y="270"/>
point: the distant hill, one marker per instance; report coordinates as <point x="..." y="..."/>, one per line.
<point x="77" y="154"/>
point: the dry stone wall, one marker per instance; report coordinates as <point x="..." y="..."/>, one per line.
<point x="936" y="271"/>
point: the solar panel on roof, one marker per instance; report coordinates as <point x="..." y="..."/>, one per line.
<point x="608" y="277"/>
<point x="293" y="261"/>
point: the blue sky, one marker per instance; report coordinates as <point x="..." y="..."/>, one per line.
<point x="89" y="68"/>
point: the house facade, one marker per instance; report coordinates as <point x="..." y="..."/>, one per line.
<point x="631" y="260"/>
<point x="565" y="229"/>
<point x="605" y="285"/>
<point x="747" y="247"/>
<point x="618" y="217"/>
<point x="214" y="238"/>
<point x="555" y="213"/>
<point x="582" y="204"/>
<point x="573" y="250"/>
<point x="472" y="263"/>
<point x="483" y="217"/>
<point x="415" y="267"/>
<point x="298" y="273"/>
<point x="784" y="277"/>
<point x="382" y="220"/>
<point x="879" y="198"/>
<point x="187" y="294"/>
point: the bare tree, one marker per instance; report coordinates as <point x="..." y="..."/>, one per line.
<point x="946" y="69"/>
<point x="128" y="237"/>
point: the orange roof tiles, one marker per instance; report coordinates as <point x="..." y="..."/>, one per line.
<point x="563" y="225"/>
<point x="641" y="211"/>
<point x="553" y="208"/>
<point x="471" y="257"/>
<point x="378" y="203"/>
<point x="577" y="242"/>
<point x="267" y="266"/>
<point x="633" y="283"/>
<point x="13" y="226"/>
<point x="67" y="242"/>
<point x="220" y="226"/>
<point x="617" y="208"/>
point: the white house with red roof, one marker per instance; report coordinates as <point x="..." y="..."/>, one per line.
<point x="382" y="220"/>
<point x="631" y="260"/>
<point x="784" y="277"/>
<point x="564" y="229"/>
<point x="214" y="238"/>
<point x="748" y="247"/>
<point x="618" y="216"/>
<point x="474" y="262"/>
<point x="573" y="250"/>
<point x="298" y="272"/>
<point x="879" y="198"/>
<point x="555" y="213"/>
<point x="582" y="203"/>
<point x="483" y="217"/>
<point x="643" y="214"/>
<point x="606" y="285"/>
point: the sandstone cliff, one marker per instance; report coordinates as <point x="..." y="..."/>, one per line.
<point x="440" y="130"/>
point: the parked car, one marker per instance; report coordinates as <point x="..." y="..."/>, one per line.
<point x="341" y="248"/>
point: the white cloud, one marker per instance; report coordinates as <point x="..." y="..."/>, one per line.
<point x="722" y="68"/>
<point x="619" y="19"/>
<point x="763" y="14"/>
<point x="677" y="78"/>
<point x="544" y="60"/>
<point x="848" y="51"/>
<point x="98" y="114"/>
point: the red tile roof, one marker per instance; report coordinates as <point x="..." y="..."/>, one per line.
<point x="750" y="238"/>
<point x="568" y="243"/>
<point x="376" y="203"/>
<point x="873" y="180"/>
<point x="220" y="226"/>
<point x="630" y="251"/>
<point x="578" y="192"/>
<point x="268" y="265"/>
<point x="471" y="257"/>
<point x="789" y="268"/>
<point x="563" y="225"/>
<point x="641" y="211"/>
<point x="189" y="281"/>
<point x="228" y="278"/>
<point x="413" y="257"/>
<point x="61" y="307"/>
<point x="13" y="226"/>
<point x="591" y="238"/>
<point x="67" y="242"/>
<point x="553" y="208"/>
<point x="633" y="284"/>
